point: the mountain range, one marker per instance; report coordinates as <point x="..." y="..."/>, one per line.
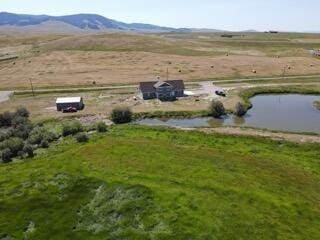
<point x="83" y="22"/>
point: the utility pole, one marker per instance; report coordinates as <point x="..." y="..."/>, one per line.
<point x="284" y="71"/>
<point x="167" y="74"/>
<point x="30" y="80"/>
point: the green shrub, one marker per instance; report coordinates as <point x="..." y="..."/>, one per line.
<point x="82" y="137"/>
<point x="6" y="119"/>
<point x="19" y="117"/>
<point x="121" y="115"/>
<point x="14" y="144"/>
<point x="72" y="129"/>
<point x="44" y="144"/>
<point x="22" y="112"/>
<point x="101" y="127"/>
<point x="3" y="136"/>
<point x="37" y="135"/>
<point x="18" y="120"/>
<point x="21" y="154"/>
<point x="51" y="137"/>
<point x="23" y="130"/>
<point x="6" y="135"/>
<point x="216" y="109"/>
<point x="317" y="105"/>
<point x="6" y="155"/>
<point x="240" y="110"/>
<point x="28" y="149"/>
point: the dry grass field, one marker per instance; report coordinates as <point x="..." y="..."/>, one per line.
<point x="119" y="58"/>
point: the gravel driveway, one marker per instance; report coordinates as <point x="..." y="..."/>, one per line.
<point x="207" y="88"/>
<point x="5" y="96"/>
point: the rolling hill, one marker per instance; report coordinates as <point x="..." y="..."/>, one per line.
<point x="91" y="22"/>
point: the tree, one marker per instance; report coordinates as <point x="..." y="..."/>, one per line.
<point x="216" y="109"/>
<point x="240" y="110"/>
<point x="121" y="115"/>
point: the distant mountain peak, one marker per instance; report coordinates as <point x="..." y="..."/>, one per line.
<point x="83" y="21"/>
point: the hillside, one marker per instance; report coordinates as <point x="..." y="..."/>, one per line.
<point x="150" y="183"/>
<point x="83" y="22"/>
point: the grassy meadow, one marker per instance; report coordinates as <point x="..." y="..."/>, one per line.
<point x="194" y="44"/>
<point x="155" y="183"/>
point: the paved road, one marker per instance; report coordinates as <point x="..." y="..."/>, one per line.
<point x="5" y="96"/>
<point x="206" y="87"/>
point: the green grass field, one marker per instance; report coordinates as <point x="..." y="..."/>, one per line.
<point x="155" y="183"/>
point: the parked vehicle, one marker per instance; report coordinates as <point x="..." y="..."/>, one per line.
<point x="221" y="93"/>
<point x="69" y="110"/>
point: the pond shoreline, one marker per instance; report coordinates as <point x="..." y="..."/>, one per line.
<point x="276" y="136"/>
<point x="280" y="112"/>
<point x="245" y="95"/>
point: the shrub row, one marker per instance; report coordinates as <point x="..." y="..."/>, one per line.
<point x="8" y="119"/>
<point x="14" y="147"/>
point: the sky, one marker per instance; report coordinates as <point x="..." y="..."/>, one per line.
<point x="233" y="15"/>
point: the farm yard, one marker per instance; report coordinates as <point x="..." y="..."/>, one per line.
<point x="101" y="102"/>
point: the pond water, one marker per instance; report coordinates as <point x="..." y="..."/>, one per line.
<point x="291" y="112"/>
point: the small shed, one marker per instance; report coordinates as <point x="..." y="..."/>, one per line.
<point x="75" y="102"/>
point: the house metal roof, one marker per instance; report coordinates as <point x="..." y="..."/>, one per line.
<point x="69" y="100"/>
<point x="150" y="87"/>
<point x="161" y="83"/>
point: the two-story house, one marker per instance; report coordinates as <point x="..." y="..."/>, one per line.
<point x="163" y="90"/>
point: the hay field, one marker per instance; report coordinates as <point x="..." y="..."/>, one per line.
<point x="118" y="58"/>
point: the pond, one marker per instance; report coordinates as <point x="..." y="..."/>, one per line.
<point x="290" y="112"/>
